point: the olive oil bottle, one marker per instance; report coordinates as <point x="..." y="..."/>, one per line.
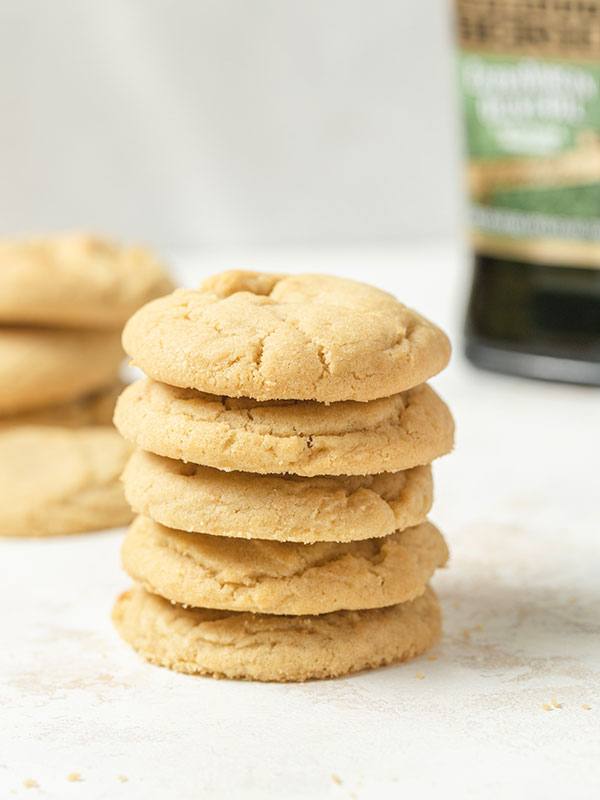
<point x="530" y="82"/>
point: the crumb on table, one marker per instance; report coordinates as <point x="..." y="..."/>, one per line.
<point x="74" y="777"/>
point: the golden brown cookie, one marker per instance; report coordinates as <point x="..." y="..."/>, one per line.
<point x="196" y="569"/>
<point x="272" y="337"/>
<point x="76" y="280"/>
<point x="41" y="367"/>
<point x="93" y="409"/>
<point x="60" y="480"/>
<point x="305" y="438"/>
<point x="266" y="647"/>
<point x="287" y="508"/>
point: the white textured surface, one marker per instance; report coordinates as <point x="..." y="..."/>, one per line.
<point x="519" y="503"/>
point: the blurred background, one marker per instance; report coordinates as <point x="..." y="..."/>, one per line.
<point x="209" y="123"/>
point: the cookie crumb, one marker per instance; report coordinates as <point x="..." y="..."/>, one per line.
<point x="74" y="777"/>
<point x="478" y="627"/>
<point x="572" y="600"/>
<point x="431" y="658"/>
<point x="546" y="707"/>
<point x="123" y="778"/>
<point x="337" y="780"/>
<point x="585" y="707"/>
<point x="555" y="704"/>
<point x="466" y="633"/>
<point x="29" y="783"/>
<point x="419" y="676"/>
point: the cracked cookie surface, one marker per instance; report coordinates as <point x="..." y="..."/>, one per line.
<point x="191" y="497"/>
<point x="76" y="280"/>
<point x="197" y="569"/>
<point x="267" y="647"/>
<point x="268" y="336"/>
<point x="61" y="480"/>
<point x="42" y="367"/>
<point x="300" y="437"/>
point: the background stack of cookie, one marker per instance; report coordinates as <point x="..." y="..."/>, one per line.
<point x="282" y="478"/>
<point x="63" y="302"/>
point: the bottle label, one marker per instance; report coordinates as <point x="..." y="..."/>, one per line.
<point x="530" y="79"/>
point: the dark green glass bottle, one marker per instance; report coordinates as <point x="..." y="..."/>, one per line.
<point x="530" y="79"/>
<point x="537" y="320"/>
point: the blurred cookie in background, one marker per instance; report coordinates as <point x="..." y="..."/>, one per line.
<point x="63" y="302"/>
<point x="61" y="480"/>
<point x="76" y="280"/>
<point x="93" y="409"/>
<point x="40" y="367"/>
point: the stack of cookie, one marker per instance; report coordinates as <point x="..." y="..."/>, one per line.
<point x="63" y="302"/>
<point x="282" y="478"/>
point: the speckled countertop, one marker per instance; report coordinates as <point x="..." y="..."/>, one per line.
<point x="519" y="501"/>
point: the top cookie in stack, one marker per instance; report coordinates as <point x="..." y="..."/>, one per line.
<point x="290" y="412"/>
<point x="63" y="302"/>
<point x="278" y="337"/>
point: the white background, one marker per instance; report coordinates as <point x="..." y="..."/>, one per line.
<point x="229" y="122"/>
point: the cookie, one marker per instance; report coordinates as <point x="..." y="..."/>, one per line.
<point x="93" y="409"/>
<point x="76" y="280"/>
<point x="285" y="508"/>
<point x="196" y="569"/>
<point x="273" y="337"/>
<point x="41" y="367"/>
<point x="266" y="647"/>
<point x="60" y="480"/>
<point x="305" y="438"/>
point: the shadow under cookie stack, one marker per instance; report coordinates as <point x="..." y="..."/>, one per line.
<point x="63" y="303"/>
<point x="282" y="478"/>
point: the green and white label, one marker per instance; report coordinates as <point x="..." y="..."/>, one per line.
<point x="533" y="143"/>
